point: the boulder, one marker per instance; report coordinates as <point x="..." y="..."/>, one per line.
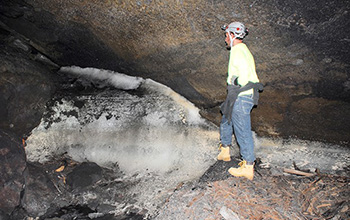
<point x="84" y="176"/>
<point x="12" y="167"/>
<point x="26" y="84"/>
<point x="40" y="191"/>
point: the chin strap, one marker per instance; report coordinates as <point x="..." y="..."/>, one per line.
<point x="231" y="39"/>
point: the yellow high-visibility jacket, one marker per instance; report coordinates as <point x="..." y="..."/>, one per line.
<point x="242" y="65"/>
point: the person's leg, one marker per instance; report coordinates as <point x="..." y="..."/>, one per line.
<point x="242" y="128"/>
<point x="226" y="131"/>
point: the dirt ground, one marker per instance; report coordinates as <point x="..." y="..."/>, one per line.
<point x="217" y="195"/>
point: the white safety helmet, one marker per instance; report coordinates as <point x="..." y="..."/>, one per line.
<point x="237" y="28"/>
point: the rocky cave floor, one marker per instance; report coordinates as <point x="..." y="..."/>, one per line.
<point x="83" y="191"/>
<point x="216" y="195"/>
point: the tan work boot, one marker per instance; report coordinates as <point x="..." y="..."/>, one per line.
<point x="244" y="170"/>
<point x="225" y="153"/>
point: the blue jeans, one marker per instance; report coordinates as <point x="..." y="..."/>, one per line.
<point x="241" y="126"/>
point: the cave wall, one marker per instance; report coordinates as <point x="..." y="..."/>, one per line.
<point x="26" y="84"/>
<point x="301" y="51"/>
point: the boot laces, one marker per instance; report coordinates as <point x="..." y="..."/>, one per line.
<point x="220" y="146"/>
<point x="242" y="163"/>
<point x="223" y="146"/>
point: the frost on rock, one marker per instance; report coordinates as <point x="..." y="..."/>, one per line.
<point x="154" y="136"/>
<point x="158" y="131"/>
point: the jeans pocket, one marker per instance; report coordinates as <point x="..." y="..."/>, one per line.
<point x="247" y="106"/>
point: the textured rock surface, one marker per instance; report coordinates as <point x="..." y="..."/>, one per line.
<point x="25" y="84"/>
<point x="39" y="192"/>
<point x="25" y="87"/>
<point x="301" y="51"/>
<point x="12" y="166"/>
<point x="84" y="175"/>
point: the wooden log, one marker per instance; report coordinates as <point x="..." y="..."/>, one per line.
<point x="297" y="172"/>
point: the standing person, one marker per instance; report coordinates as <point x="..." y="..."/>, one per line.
<point x="243" y="92"/>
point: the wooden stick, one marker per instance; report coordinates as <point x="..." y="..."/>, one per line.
<point x="297" y="172"/>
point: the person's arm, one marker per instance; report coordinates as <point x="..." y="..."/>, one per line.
<point x="233" y="70"/>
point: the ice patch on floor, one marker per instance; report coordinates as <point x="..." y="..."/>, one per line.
<point x="308" y="155"/>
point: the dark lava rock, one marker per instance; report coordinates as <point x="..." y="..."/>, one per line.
<point x="3" y="216"/>
<point x="72" y="212"/>
<point x="88" y="178"/>
<point x="39" y="192"/>
<point x="84" y="175"/>
<point x="83" y="212"/>
<point x="25" y="84"/>
<point x="12" y="166"/>
<point x="219" y="170"/>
